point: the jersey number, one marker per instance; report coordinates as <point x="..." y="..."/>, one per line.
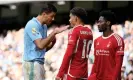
<point x="84" y="48"/>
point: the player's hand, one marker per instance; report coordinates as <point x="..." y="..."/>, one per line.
<point x="61" y="29"/>
<point x="57" y="78"/>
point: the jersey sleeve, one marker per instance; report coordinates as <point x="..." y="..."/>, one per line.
<point x="68" y="54"/>
<point x="33" y="31"/>
<point x="118" y="58"/>
<point x="72" y="39"/>
<point x="120" y="47"/>
<point x="93" y="71"/>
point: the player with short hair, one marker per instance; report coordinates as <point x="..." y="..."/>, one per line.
<point x="108" y="50"/>
<point x="75" y="61"/>
<point x="36" y="42"/>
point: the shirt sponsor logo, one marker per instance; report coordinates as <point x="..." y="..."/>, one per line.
<point x="102" y="52"/>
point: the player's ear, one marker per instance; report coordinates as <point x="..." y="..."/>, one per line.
<point x="108" y="22"/>
<point x="43" y="13"/>
<point x="76" y="18"/>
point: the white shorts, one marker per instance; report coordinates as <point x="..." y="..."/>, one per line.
<point x="33" y="71"/>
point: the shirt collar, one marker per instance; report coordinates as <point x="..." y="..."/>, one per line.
<point x="40" y="25"/>
<point x="34" y="18"/>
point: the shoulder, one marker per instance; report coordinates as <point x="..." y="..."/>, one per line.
<point x="77" y="28"/>
<point x="118" y="39"/>
<point x="31" y="24"/>
<point x="74" y="30"/>
<point x="116" y="35"/>
<point x="84" y="28"/>
<point x="97" y="39"/>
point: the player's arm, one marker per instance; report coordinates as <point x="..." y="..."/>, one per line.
<point x="33" y="31"/>
<point x="94" y="64"/>
<point x="51" y="44"/>
<point x="43" y="43"/>
<point x="68" y="54"/>
<point x="119" y="59"/>
<point x="93" y="71"/>
<point x="93" y="68"/>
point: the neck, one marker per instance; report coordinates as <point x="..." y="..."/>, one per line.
<point x="107" y="33"/>
<point x="79" y="23"/>
<point x="39" y="18"/>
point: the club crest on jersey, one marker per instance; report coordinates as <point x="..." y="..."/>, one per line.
<point x="108" y="45"/>
<point x="121" y="48"/>
<point x="98" y="43"/>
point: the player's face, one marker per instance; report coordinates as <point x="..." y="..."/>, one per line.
<point x="48" y="17"/>
<point x="72" y="20"/>
<point x="102" y="26"/>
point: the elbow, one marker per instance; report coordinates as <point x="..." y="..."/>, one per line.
<point x="39" y="44"/>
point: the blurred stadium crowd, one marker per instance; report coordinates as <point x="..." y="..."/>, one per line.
<point x="11" y="51"/>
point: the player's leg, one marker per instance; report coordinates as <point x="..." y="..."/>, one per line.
<point x="28" y="70"/>
<point x="39" y="72"/>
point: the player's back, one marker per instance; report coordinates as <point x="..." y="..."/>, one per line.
<point x="79" y="62"/>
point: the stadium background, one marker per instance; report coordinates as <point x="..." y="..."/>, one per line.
<point x="15" y="14"/>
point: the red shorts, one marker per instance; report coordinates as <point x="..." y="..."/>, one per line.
<point x="72" y="78"/>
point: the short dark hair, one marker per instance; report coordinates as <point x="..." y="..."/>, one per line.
<point x="48" y="8"/>
<point x="109" y="16"/>
<point x="79" y="12"/>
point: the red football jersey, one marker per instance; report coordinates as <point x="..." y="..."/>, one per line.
<point x="75" y="61"/>
<point x="105" y="50"/>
